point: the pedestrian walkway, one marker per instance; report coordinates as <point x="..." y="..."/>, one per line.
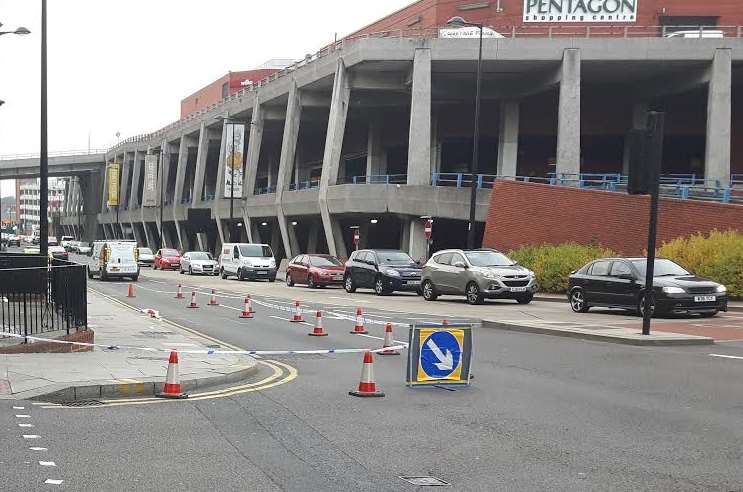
<point x="111" y="372"/>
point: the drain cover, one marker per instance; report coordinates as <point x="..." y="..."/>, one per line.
<point x="81" y="403"/>
<point x="426" y="481"/>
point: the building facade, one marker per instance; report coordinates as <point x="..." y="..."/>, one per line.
<point x="28" y="193"/>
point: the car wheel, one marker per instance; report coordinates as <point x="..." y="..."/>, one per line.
<point x="181" y="271"/>
<point x="525" y="299"/>
<point x="429" y="292"/>
<point x="135" y="278"/>
<point x="190" y="270"/>
<point x="289" y="281"/>
<point x="578" y="301"/>
<point x="349" y="284"/>
<point x="311" y="282"/>
<point x="711" y="314"/>
<point x="379" y="287"/>
<point x="272" y="279"/>
<point x="224" y="274"/>
<point x="240" y="275"/>
<point x="103" y="275"/>
<point x="154" y="266"/>
<point x="473" y="293"/>
<point x="641" y="307"/>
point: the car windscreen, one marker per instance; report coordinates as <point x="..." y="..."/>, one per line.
<point x="662" y="268"/>
<point x="324" y="261"/>
<point x="169" y="253"/>
<point x="200" y="256"/>
<point x="145" y="251"/>
<point x="488" y="259"/>
<point x="394" y="258"/>
<point x="83" y="245"/>
<point x="255" y="251"/>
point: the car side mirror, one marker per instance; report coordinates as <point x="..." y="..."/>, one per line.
<point x="459" y="264"/>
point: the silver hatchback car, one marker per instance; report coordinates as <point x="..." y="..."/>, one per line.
<point x="478" y="275"/>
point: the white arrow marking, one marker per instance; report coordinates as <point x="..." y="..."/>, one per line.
<point x="447" y="361"/>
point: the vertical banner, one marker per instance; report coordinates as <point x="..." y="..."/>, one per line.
<point x="149" y="194"/>
<point x="113" y="184"/>
<point x="233" y="155"/>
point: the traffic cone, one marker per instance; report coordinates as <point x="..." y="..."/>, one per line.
<point x="388" y="341"/>
<point x="131" y="291"/>
<point x="172" y="387"/>
<point x="179" y="295"/>
<point x="317" y="331"/>
<point x="297" y="317"/>
<point x="359" y="328"/>
<point x="367" y="386"/>
<point x="213" y="300"/>
<point x="192" y="304"/>
<point x="247" y="310"/>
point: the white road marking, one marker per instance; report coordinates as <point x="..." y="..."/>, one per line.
<point x="349" y="299"/>
<point x="278" y="317"/>
<point x="34" y="448"/>
<point x="25" y="425"/>
<point x="381" y="338"/>
<point x="19" y="408"/>
<point x="23" y="416"/>
<point x="726" y="356"/>
<point x="52" y="481"/>
<point x="30" y="436"/>
<point x="179" y="344"/>
<point x="47" y="463"/>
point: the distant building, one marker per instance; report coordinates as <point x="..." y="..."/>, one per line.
<point x="27" y="199"/>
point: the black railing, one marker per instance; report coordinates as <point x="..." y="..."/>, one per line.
<point x="38" y="296"/>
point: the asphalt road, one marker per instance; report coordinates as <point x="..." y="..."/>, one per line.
<point x="543" y="413"/>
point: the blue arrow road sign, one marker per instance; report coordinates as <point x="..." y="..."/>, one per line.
<point x="440" y="354"/>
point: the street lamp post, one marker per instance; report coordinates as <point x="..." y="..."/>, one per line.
<point x="162" y="194"/>
<point x="43" y="150"/>
<point x="460" y="22"/>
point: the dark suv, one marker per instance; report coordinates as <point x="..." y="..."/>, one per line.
<point x="383" y="270"/>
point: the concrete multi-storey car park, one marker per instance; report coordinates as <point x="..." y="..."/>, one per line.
<point x="378" y="126"/>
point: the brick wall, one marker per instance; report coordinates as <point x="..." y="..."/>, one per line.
<point x="50" y="347"/>
<point x="526" y="213"/>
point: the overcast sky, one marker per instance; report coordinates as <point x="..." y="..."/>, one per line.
<point x="124" y="66"/>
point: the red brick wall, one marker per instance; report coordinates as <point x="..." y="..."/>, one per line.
<point x="212" y="93"/>
<point x="526" y="213"/>
<point x="50" y="347"/>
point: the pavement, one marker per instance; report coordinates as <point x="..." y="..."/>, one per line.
<point x="121" y="371"/>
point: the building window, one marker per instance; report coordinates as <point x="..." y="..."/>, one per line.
<point x="686" y="23"/>
<point x="225" y="90"/>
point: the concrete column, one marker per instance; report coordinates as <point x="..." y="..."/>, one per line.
<point x="134" y="233"/>
<point x="256" y="232"/>
<point x="275" y="241"/>
<point x="719" y="113"/>
<point x="435" y="144"/>
<point x="203" y="149"/>
<point x="220" y="230"/>
<point x="332" y="156"/>
<point x="568" y="117"/>
<point x="508" y="139"/>
<point x="104" y="192"/>
<point x="375" y="157"/>
<point x="405" y="235"/>
<point x="180" y="174"/>
<point x="148" y="241"/>
<point x="202" y="240"/>
<point x="254" y="148"/>
<point x="293" y="242"/>
<point x="639" y="121"/>
<point x="312" y="240"/>
<point x="286" y="162"/>
<point x="340" y="244"/>
<point x="135" y="180"/>
<point x="417" y="244"/>
<point x="419" y="140"/>
<point x="124" y="183"/>
<point x="219" y="187"/>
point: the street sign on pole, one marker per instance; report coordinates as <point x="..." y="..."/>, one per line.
<point x="439" y="355"/>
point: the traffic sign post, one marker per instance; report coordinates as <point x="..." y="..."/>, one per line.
<point x="439" y="355"/>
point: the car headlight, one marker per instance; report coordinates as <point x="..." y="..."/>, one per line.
<point x="272" y="263"/>
<point x="722" y="288"/>
<point x="390" y="272"/>
<point x="673" y="290"/>
<point x="491" y="275"/>
<point x="247" y="262"/>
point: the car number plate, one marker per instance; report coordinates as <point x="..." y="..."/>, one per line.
<point x="262" y="272"/>
<point x="518" y="289"/>
<point x="114" y="269"/>
<point x="705" y="298"/>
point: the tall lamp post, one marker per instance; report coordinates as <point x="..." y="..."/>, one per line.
<point x="460" y="22"/>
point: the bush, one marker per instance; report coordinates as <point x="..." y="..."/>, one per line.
<point x="718" y="256"/>
<point x="552" y="264"/>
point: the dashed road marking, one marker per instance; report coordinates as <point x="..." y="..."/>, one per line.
<point x="726" y="356"/>
<point x="31" y="436"/>
<point x="47" y="463"/>
<point x="23" y="416"/>
<point x="25" y="425"/>
<point x="35" y="448"/>
<point x="19" y="408"/>
<point x="52" y="481"/>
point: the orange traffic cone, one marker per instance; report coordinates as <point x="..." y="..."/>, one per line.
<point x="367" y="386"/>
<point x="317" y="331"/>
<point x="131" y="291"/>
<point x="213" y="300"/>
<point x="388" y="341"/>
<point x="179" y="295"/>
<point x="192" y="304"/>
<point x="172" y="387"/>
<point x="359" y="329"/>
<point x="247" y="309"/>
<point x="297" y="317"/>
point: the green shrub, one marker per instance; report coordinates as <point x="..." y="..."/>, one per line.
<point x="552" y="264"/>
<point x="718" y="256"/>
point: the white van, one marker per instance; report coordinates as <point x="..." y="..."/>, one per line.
<point x="244" y="260"/>
<point x="114" y="259"/>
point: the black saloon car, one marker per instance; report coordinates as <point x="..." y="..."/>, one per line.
<point x="383" y="270"/>
<point x="620" y="283"/>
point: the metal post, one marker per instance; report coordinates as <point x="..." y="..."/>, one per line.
<point x="162" y="193"/>
<point x="232" y="183"/>
<point x="475" y="151"/>
<point x="43" y="151"/>
<point x="655" y="126"/>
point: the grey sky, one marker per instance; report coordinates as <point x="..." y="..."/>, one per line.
<point x="125" y="65"/>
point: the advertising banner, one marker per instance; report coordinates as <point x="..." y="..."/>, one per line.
<point x="580" y="10"/>
<point x="149" y="194"/>
<point x="233" y="165"/>
<point x="113" y="184"/>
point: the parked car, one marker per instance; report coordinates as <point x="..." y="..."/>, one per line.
<point x="167" y="259"/>
<point x="111" y="259"/>
<point x="146" y="257"/>
<point x="14" y="240"/>
<point x="245" y="260"/>
<point x="66" y="242"/>
<point x="199" y="262"/>
<point x="478" y="275"/>
<point x="83" y="248"/>
<point x="384" y="270"/>
<point x="57" y="252"/>
<point x="314" y="271"/>
<point x="620" y="283"/>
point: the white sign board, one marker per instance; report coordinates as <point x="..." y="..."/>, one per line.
<point x="580" y="10"/>
<point x="468" y="32"/>
<point x="149" y="194"/>
<point x="233" y="160"/>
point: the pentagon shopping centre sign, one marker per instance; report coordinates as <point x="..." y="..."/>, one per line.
<point x="580" y="10"/>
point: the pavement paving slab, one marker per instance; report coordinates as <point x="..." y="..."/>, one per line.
<point x="121" y="371"/>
